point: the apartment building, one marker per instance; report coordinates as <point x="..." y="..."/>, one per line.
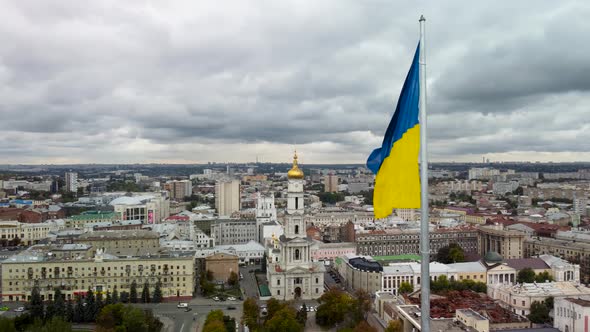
<point x="508" y="243"/>
<point x="102" y="273"/>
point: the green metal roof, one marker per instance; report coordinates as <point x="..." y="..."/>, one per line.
<point x="264" y="291"/>
<point x="405" y="257"/>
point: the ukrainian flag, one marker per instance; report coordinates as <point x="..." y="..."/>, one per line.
<point x="397" y="184"/>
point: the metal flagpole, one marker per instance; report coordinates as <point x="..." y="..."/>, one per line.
<point x="424" y="223"/>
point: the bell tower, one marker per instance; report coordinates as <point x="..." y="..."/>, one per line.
<point x="295" y="224"/>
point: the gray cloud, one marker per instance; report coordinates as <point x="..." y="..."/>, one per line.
<point x="183" y="81"/>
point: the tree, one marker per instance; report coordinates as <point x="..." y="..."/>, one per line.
<point x="362" y="304"/>
<point x="214" y="322"/>
<point x="233" y="279"/>
<point x="98" y="306"/>
<point x="124" y="297"/>
<point x="115" y="295"/>
<point x="60" y="304"/>
<point x="7" y="325"/>
<point x="108" y="299"/>
<point x="543" y="277"/>
<point x="251" y="313"/>
<point x="283" y="321"/>
<point x="145" y="293"/>
<point x="525" y="275"/>
<point x="133" y="292"/>
<point x="49" y="310"/>
<point x="55" y="324"/>
<point x="405" y="288"/>
<point x="302" y="315"/>
<point x="395" y="325"/>
<point x="90" y="307"/>
<point x="273" y="306"/>
<point x="335" y="308"/>
<point x="36" y="304"/>
<point x="79" y="311"/>
<point x="134" y="320"/>
<point x="453" y="253"/>
<point x="157" y="297"/>
<point x="539" y="313"/>
<point x="69" y="312"/>
<point x="363" y="326"/>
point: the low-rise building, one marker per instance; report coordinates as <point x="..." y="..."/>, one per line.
<point x="234" y="231"/>
<point x="571" y="314"/>
<point x="518" y="298"/>
<point x="122" y="243"/>
<point x="222" y="265"/>
<point x="90" y="217"/>
<point x="28" y="234"/>
<point x="328" y="252"/>
<point x="248" y="253"/>
<point x="102" y="273"/>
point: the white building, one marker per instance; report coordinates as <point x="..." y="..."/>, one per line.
<point x="249" y="253"/>
<point x="227" y="197"/>
<point x="580" y="204"/>
<point x="29" y="233"/>
<point x="233" y="231"/>
<point x="482" y="173"/>
<point x="291" y="273"/>
<point x="266" y="212"/>
<point x="396" y="273"/>
<point x="561" y="269"/>
<point x="518" y="298"/>
<point x="149" y="208"/>
<point x="571" y="314"/>
<point x="71" y="181"/>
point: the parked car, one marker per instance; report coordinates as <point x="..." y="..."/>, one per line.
<point x="231" y="298"/>
<point x="231" y="307"/>
<point x="188" y="309"/>
<point x="182" y="305"/>
<point x="311" y="308"/>
<point x="20" y="309"/>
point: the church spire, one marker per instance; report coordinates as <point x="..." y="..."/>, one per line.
<point x="295" y="172"/>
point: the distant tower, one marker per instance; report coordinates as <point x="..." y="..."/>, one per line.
<point x="71" y="182"/>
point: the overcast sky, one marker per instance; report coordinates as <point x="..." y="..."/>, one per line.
<point x="196" y="81"/>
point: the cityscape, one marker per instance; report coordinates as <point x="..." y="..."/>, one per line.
<point x="262" y="166"/>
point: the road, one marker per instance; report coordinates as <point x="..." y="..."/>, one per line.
<point x="248" y="284"/>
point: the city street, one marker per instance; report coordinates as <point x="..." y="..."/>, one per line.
<point x="248" y="284"/>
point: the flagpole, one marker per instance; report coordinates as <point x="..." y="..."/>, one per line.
<point x="424" y="223"/>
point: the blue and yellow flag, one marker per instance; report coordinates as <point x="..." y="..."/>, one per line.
<point x="397" y="184"/>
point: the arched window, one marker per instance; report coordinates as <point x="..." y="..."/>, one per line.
<point x="297" y="254"/>
<point x="296" y="229"/>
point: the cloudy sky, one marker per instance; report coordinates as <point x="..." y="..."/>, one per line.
<point x="196" y="81"/>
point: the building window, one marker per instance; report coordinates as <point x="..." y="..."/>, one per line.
<point x="278" y="292"/>
<point x="278" y="282"/>
<point x="297" y="254"/>
<point x="296" y="229"/>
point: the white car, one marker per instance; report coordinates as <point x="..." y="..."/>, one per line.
<point x="310" y="308"/>
<point x="231" y="298"/>
<point x="182" y="305"/>
<point x="215" y="298"/>
<point x="20" y="309"/>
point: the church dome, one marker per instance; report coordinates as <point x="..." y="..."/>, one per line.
<point x="493" y="257"/>
<point x="295" y="172"/>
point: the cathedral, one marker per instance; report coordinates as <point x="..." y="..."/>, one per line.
<point x="291" y="273"/>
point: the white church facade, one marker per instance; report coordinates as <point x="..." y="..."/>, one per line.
<point x="290" y="271"/>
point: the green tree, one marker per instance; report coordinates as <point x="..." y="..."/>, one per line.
<point x="145" y="293"/>
<point x="7" y="325"/>
<point x="49" y="310"/>
<point x="134" y="320"/>
<point x="55" y="324"/>
<point x="157" y="297"/>
<point x="251" y="313"/>
<point x="214" y="322"/>
<point x="525" y="275"/>
<point x="90" y="307"/>
<point x="395" y="325"/>
<point x="362" y="304"/>
<point x="273" y="306"/>
<point x="453" y="253"/>
<point x="283" y="320"/>
<point x="302" y="315"/>
<point x="108" y="299"/>
<point x="233" y="279"/>
<point x="543" y="277"/>
<point x="405" y="288"/>
<point x="363" y="326"/>
<point x="334" y="309"/>
<point x="115" y="295"/>
<point x="133" y="292"/>
<point x="60" y="304"/>
<point x="36" y="304"/>
<point x="539" y="313"/>
<point x="69" y="316"/>
<point x="98" y="306"/>
<point x="124" y="297"/>
<point x="79" y="311"/>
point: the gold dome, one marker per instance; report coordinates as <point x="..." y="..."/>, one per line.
<point x="295" y="172"/>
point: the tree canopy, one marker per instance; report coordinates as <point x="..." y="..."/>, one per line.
<point x="453" y="253"/>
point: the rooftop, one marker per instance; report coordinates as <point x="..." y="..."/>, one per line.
<point x="521" y="263"/>
<point x="121" y="234"/>
<point x="580" y="302"/>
